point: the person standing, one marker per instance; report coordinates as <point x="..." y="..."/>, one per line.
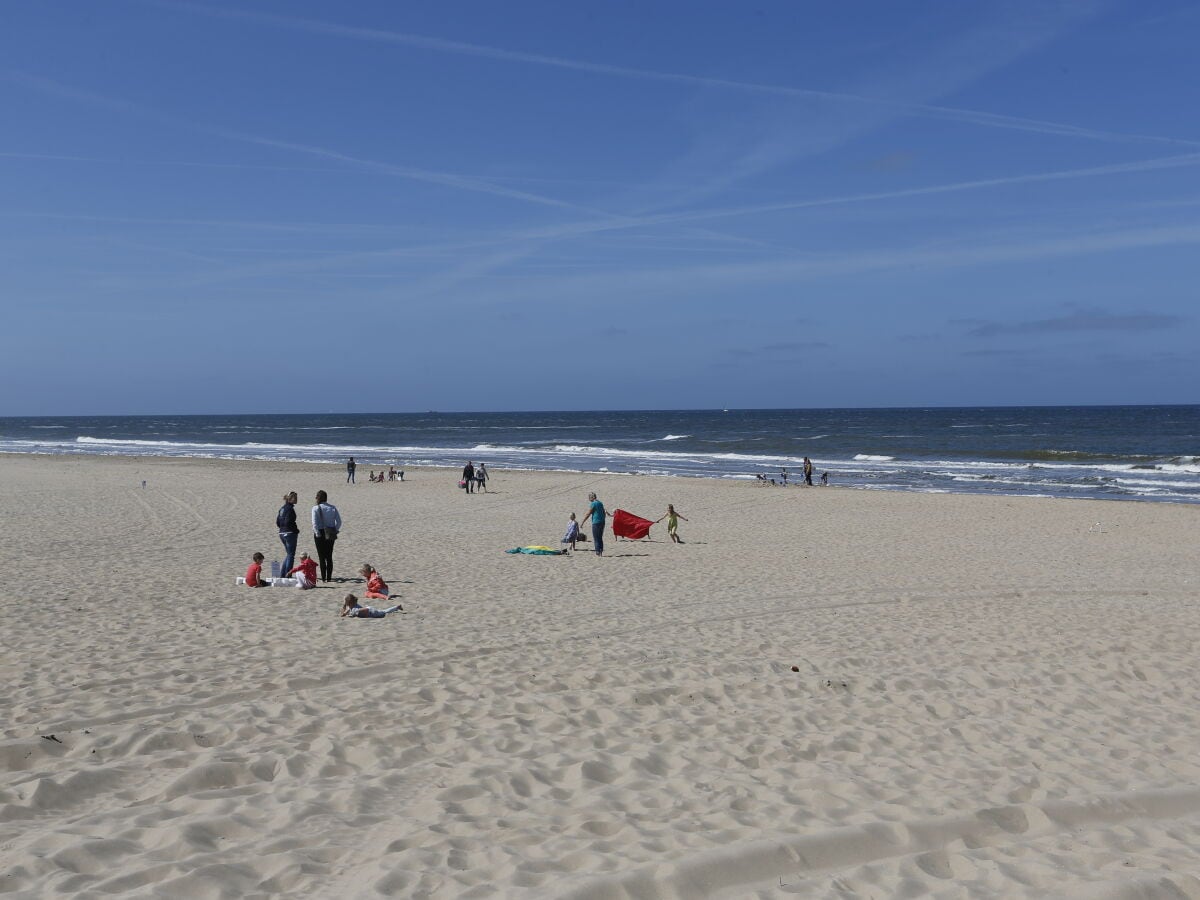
<point x="289" y="531"/>
<point x="326" y="523"/>
<point x="596" y="513"/>
<point x="481" y="477"/>
<point x="808" y="470"/>
<point x="350" y="467"/>
<point x="469" y="478"/>
<point x="672" y="518"/>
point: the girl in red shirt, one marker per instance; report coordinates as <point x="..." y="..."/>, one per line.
<point x="377" y="588"/>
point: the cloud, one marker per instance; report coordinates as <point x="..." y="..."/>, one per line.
<point x="779" y="350"/>
<point x="997" y="354"/>
<point x="795" y="346"/>
<point x="896" y="161"/>
<point x="1077" y="322"/>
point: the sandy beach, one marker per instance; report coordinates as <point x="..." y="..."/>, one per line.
<point x="821" y="693"/>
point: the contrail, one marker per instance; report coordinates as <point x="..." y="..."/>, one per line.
<point x="441" y="45"/>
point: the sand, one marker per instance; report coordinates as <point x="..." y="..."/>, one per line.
<point x="823" y="693"/>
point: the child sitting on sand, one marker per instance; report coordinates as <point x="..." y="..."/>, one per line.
<point x="377" y="588"/>
<point x="305" y="572"/>
<point x="351" y="608"/>
<point x="254" y="576"/>
<point x="572" y="534"/>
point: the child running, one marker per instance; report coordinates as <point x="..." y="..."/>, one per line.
<point x="377" y="588"/>
<point x="672" y="518"/>
<point x="351" y="609"/>
<point x="305" y="572"/>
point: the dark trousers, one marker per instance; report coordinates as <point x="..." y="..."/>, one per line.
<point x="598" y="537"/>
<point x="325" y="556"/>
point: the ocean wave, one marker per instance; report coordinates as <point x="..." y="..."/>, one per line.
<point x="868" y="457"/>
<point x="1175" y="468"/>
<point x="674" y="437"/>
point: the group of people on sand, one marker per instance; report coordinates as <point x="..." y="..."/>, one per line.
<point x="392" y="473"/>
<point x="326" y="525"/>
<point x="596" y="516"/>
<point x="377" y="589"/>
<point x="473" y="476"/>
<point x="807" y="476"/>
<point x="326" y="522"/>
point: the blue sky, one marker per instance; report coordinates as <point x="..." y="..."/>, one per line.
<point x="299" y="206"/>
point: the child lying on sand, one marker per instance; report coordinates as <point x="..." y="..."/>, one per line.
<point x="351" y="608"/>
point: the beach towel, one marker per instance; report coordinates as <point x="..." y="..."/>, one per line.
<point x="627" y="525"/>
<point x="535" y="551"/>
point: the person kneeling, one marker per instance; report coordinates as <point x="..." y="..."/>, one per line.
<point x="377" y="588"/>
<point x="305" y="572"/>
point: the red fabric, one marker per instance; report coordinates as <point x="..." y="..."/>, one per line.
<point x="627" y="525"/>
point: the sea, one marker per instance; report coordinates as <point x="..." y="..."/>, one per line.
<point x="1148" y="453"/>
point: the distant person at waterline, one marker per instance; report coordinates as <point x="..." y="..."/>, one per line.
<point x="350" y="467"/>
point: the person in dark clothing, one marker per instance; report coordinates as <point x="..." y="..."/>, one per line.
<point x="469" y="478"/>
<point x="326" y="523"/>
<point x="350" y="467"/>
<point x="289" y="532"/>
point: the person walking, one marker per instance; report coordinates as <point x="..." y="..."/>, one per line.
<point x="672" y="518"/>
<point x="808" y="470"/>
<point x="326" y="523"/>
<point x="481" y="477"/>
<point x="597" y="513"/>
<point x="350" y="467"/>
<point x="289" y="531"/>
<point x="469" y="478"/>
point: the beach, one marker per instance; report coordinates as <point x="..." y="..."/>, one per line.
<point x="821" y="692"/>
